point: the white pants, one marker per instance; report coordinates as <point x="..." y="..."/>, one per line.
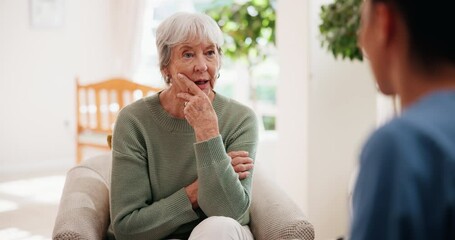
<point x="221" y="228"/>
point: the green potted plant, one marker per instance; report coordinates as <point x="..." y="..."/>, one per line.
<point x="249" y="27"/>
<point x="340" y="22"/>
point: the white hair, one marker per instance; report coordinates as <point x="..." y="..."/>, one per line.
<point x="185" y="27"/>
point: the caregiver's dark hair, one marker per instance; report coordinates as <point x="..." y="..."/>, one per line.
<point x="430" y="27"/>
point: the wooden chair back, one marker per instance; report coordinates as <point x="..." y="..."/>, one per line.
<point x="97" y="106"/>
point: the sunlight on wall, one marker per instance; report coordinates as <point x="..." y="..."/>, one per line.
<point x="19" y="234"/>
<point x="20" y="198"/>
<point x="44" y="189"/>
<point x="6" y="205"/>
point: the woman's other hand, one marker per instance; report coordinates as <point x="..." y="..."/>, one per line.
<point x="241" y="163"/>
<point x="191" y="192"/>
<point x="198" y="110"/>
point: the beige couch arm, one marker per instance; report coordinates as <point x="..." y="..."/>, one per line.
<point x="84" y="206"/>
<point x="273" y="214"/>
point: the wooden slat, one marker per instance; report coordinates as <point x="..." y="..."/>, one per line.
<point x="98" y="127"/>
<point x="87" y="107"/>
<point x="78" y="105"/>
<point x="114" y="85"/>
<point x="110" y="117"/>
<point x="78" y="122"/>
<point x="119" y="98"/>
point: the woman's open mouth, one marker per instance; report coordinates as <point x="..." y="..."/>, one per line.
<point x="202" y="84"/>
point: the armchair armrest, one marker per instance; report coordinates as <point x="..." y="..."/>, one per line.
<point x="273" y="214"/>
<point x="84" y="206"/>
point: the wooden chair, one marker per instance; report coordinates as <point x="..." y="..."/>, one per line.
<point x="97" y="106"/>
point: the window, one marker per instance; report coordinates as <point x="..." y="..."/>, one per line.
<point x="255" y="88"/>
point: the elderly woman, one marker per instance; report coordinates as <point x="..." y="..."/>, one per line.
<point x="183" y="158"/>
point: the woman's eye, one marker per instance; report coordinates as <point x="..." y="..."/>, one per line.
<point x="188" y="55"/>
<point x="211" y="53"/>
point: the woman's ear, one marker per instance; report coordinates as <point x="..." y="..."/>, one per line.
<point x="164" y="72"/>
<point x="166" y="75"/>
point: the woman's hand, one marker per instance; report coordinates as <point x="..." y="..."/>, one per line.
<point x="191" y="192"/>
<point x="198" y="109"/>
<point x="241" y="163"/>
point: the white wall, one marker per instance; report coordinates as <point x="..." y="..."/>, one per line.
<point x="293" y="99"/>
<point x="37" y="71"/>
<point x="326" y="110"/>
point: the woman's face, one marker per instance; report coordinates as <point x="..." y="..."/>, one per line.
<point x="198" y="61"/>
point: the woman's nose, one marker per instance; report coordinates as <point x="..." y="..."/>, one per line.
<point x="200" y="65"/>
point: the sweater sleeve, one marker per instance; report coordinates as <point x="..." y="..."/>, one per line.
<point x="221" y="192"/>
<point x="135" y="213"/>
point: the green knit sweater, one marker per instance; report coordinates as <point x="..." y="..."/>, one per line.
<point x="155" y="157"/>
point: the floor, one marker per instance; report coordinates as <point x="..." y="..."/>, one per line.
<point x="29" y="204"/>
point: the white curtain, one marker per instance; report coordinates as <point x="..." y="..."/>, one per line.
<point x="127" y="20"/>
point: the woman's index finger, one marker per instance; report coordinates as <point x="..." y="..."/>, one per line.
<point x="191" y="86"/>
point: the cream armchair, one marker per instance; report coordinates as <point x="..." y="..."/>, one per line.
<point x="84" y="207"/>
